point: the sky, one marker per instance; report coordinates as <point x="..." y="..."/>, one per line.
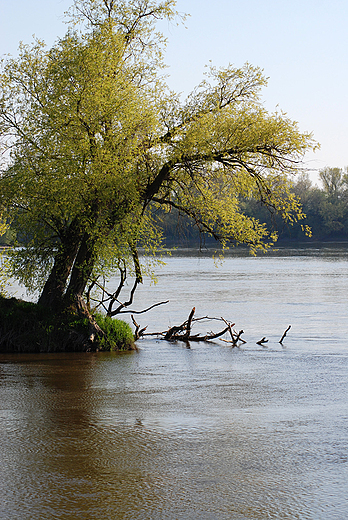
<point x="302" y="46"/>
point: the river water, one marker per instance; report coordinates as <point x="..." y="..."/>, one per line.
<point x="207" y="432"/>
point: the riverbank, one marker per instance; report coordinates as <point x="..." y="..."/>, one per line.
<point x="28" y="327"/>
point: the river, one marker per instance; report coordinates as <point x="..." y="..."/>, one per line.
<point x="207" y="432"/>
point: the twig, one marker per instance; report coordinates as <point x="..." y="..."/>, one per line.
<point x="283" y="336"/>
<point x="262" y="341"/>
<point x="239" y="336"/>
<point x="145" y="310"/>
<point x="229" y="328"/>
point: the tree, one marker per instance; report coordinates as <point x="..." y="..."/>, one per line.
<point x="3" y="278"/>
<point x="334" y="207"/>
<point x="333" y="181"/>
<point x="96" y="143"/>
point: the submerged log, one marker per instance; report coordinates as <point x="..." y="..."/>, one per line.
<point x="199" y="337"/>
<point x="174" y="333"/>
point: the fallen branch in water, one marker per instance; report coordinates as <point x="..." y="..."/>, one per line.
<point x="138" y="333"/>
<point x="183" y="332"/>
<point x="283" y="336"/>
<point x="262" y="341"/>
<point x="174" y="333"/>
<point x="235" y="336"/>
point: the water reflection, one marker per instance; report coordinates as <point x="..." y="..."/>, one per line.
<point x="171" y="433"/>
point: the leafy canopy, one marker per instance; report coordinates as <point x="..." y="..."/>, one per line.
<point x="96" y="143"/>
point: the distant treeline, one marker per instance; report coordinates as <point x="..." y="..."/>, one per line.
<point x="325" y="207"/>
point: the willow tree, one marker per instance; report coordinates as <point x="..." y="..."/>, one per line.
<point x="95" y="142"/>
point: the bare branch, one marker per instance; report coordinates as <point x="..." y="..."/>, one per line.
<point x="145" y="310"/>
<point x="262" y="341"/>
<point x="283" y="336"/>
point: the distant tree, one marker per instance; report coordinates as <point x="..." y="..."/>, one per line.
<point x="333" y="181"/>
<point x="334" y="206"/>
<point x="97" y="143"/>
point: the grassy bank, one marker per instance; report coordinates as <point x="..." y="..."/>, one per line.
<point x="28" y="327"/>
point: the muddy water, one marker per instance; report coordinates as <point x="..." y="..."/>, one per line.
<point x="201" y="433"/>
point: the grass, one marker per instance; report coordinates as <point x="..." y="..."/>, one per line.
<point x="118" y="334"/>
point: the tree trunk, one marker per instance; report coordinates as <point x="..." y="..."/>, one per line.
<point x="81" y="270"/>
<point x="80" y="273"/>
<point x="55" y="285"/>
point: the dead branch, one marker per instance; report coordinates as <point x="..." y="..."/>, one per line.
<point x="238" y="336"/>
<point x="283" y="336"/>
<point x="189" y="322"/>
<point x="229" y="328"/>
<point x="145" y="310"/>
<point x="235" y="337"/>
<point x="262" y="341"/>
<point x="182" y="332"/>
<point x="210" y="337"/>
<point x="138" y="333"/>
<point x="173" y="331"/>
<point x="199" y="337"/>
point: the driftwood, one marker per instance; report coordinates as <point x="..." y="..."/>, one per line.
<point x="183" y="332"/>
<point x="235" y="336"/>
<point x="283" y="336"/>
<point x="262" y="341"/>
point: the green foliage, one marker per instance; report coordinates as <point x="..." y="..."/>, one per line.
<point x="118" y="334"/>
<point x="97" y="144"/>
<point x="8" y="238"/>
<point x="334" y="203"/>
<point x="333" y="181"/>
<point x="3" y="227"/>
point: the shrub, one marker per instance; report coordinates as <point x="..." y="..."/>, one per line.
<point x="118" y="334"/>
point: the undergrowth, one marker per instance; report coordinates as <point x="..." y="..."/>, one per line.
<point x="118" y="334"/>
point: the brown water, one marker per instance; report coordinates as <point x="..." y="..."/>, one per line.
<point x="203" y="433"/>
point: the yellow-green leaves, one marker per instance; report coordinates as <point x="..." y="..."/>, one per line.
<point x="75" y="118"/>
<point x="93" y="137"/>
<point x="222" y="146"/>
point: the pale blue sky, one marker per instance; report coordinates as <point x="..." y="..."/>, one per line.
<point x="300" y="44"/>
